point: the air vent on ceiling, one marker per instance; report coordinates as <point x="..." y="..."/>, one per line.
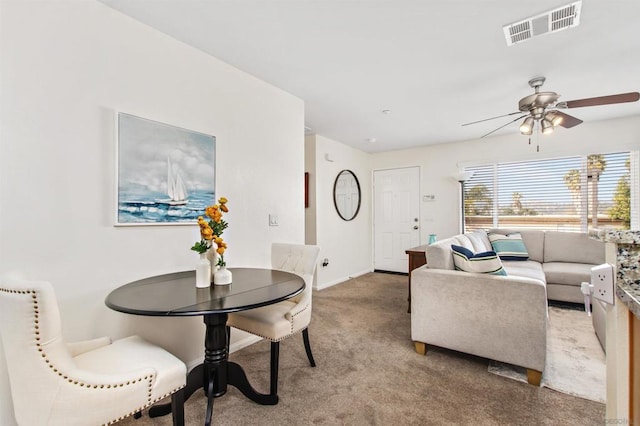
<point x="552" y="21"/>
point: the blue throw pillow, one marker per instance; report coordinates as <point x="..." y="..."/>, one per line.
<point x="485" y="263"/>
<point x="509" y="247"/>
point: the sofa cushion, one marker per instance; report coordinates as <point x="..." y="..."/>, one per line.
<point x="439" y="255"/>
<point x="567" y="273"/>
<point x="486" y="263"/>
<point x="574" y="247"/>
<point x="524" y="269"/>
<point x="533" y="240"/>
<point x="509" y="247"/>
<point x="479" y="240"/>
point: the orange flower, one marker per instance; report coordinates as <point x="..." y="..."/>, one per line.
<point x="223" y="201"/>
<point x="211" y="228"/>
<point x="210" y="211"/>
<point x="206" y="232"/>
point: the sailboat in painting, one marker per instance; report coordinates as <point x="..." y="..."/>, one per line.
<point x="176" y="189"/>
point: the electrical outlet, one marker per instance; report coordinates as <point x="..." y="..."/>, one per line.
<point x="602" y="280"/>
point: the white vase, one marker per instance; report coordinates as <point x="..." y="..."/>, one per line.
<point x="213" y="257"/>
<point x="222" y="276"/>
<point x="203" y="272"/>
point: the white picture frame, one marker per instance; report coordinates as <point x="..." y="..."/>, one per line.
<point x="165" y="175"/>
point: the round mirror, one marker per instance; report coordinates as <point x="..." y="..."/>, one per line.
<point x="346" y="195"/>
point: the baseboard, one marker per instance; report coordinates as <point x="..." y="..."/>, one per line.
<point x="244" y="342"/>
<point x="340" y="280"/>
<point x="382" y="271"/>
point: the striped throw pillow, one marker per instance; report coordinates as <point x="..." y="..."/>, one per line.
<point x="509" y="247"/>
<point x="484" y="263"/>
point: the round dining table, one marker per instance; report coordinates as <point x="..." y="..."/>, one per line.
<point x="176" y="294"/>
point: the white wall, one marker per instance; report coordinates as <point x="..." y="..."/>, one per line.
<point x="66" y="66"/>
<point x="346" y="244"/>
<point x="441" y="162"/>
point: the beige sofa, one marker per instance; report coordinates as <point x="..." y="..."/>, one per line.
<point x="503" y="318"/>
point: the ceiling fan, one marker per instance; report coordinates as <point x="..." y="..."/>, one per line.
<point x="543" y="108"/>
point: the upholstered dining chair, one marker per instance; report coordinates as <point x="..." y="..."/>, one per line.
<point x="284" y="319"/>
<point x="85" y="383"/>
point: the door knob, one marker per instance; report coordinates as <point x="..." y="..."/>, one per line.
<point x="415" y="227"/>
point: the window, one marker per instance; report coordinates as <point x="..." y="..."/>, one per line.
<point x="567" y="194"/>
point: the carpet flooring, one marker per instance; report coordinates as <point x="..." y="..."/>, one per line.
<point x="368" y="373"/>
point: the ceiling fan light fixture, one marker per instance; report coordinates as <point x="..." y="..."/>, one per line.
<point x="526" y="128"/>
<point x="554" y="118"/>
<point x="533" y="108"/>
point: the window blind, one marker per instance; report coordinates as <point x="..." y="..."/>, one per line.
<point x="566" y="194"/>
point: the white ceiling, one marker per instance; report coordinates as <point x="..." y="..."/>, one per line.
<point x="434" y="64"/>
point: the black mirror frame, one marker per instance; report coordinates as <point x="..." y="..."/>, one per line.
<point x="335" y="204"/>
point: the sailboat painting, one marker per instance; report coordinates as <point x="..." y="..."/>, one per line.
<point x="166" y="174"/>
<point x="176" y="190"/>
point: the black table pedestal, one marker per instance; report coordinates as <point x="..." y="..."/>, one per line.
<point x="216" y="372"/>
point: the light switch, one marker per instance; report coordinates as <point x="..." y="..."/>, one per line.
<point x="273" y="220"/>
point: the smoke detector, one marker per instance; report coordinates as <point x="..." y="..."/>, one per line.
<point x="548" y="22"/>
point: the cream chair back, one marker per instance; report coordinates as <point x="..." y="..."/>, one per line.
<point x="90" y="382"/>
<point x="299" y="259"/>
<point x="32" y="340"/>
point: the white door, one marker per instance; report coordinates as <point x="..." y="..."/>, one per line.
<point x="396" y="217"/>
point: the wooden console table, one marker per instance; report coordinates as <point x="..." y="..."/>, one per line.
<point x="417" y="258"/>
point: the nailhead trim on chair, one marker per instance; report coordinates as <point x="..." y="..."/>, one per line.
<point x="268" y="338"/>
<point x="282" y="338"/>
<point x="294" y="315"/>
<point x="150" y="403"/>
<point x="149" y="378"/>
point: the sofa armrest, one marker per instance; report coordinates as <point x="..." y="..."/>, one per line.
<point x="497" y="317"/>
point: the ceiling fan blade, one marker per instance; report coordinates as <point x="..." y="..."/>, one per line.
<point x="493" y="118"/>
<point x="505" y="125"/>
<point x="568" y="121"/>
<point x="604" y="100"/>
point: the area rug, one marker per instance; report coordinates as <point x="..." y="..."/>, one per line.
<point x="575" y="360"/>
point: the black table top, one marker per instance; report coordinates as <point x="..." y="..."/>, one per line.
<point x="176" y="294"/>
